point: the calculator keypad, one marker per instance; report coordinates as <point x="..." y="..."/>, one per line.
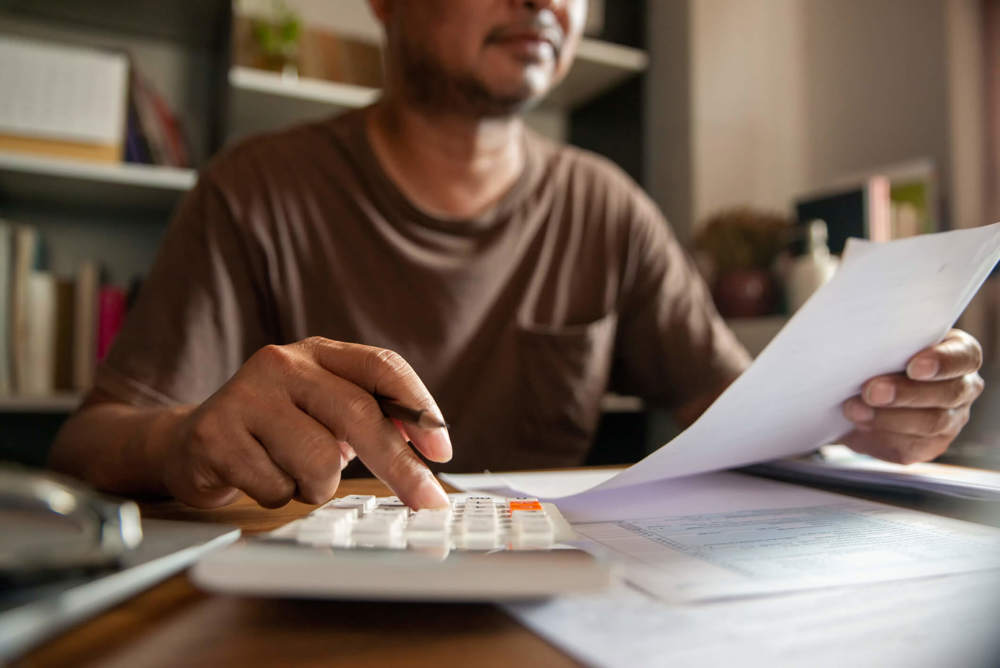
<point x="470" y="523"/>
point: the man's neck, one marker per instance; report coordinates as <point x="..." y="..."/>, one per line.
<point x="447" y="165"/>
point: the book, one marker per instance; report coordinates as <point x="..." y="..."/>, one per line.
<point x="85" y="325"/>
<point x="6" y="271"/>
<point x="155" y="130"/>
<point x="37" y="352"/>
<point x="64" y="322"/>
<point x="27" y="251"/>
<point x="110" y="316"/>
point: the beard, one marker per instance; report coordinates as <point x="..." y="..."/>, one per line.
<point x="430" y="86"/>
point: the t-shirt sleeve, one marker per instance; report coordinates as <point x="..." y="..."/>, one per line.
<point x="201" y="312"/>
<point x="672" y="346"/>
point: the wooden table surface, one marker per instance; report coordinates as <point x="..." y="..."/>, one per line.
<point x="175" y="623"/>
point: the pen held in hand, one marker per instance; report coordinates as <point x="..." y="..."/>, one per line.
<point x="418" y="416"/>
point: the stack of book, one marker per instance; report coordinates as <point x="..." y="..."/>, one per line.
<point x="53" y="329"/>
<point x="84" y="104"/>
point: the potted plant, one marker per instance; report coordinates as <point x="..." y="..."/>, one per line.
<point x="737" y="248"/>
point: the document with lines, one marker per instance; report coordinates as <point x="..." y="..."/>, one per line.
<point x="886" y="302"/>
<point x="732" y="535"/>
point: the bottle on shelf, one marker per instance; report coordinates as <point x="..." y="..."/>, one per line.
<point x="809" y="272"/>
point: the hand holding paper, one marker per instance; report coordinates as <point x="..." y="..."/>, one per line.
<point x="915" y="415"/>
<point x="887" y="302"/>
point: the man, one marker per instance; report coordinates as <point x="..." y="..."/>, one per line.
<point x="515" y="281"/>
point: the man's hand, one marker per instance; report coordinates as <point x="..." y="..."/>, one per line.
<point x="914" y="416"/>
<point x="289" y="421"/>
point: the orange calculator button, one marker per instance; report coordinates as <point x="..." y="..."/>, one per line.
<point x="525" y="505"/>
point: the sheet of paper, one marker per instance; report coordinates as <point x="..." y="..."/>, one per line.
<point x="884" y="304"/>
<point x="837" y="463"/>
<point x="724" y="535"/>
<point x="927" y="623"/>
<point x="711" y="555"/>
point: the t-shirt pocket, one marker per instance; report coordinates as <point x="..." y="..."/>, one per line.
<point x="565" y="373"/>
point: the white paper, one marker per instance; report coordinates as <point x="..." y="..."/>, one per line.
<point x="731" y="534"/>
<point x="886" y="302"/>
<point x="711" y="555"/>
<point x="927" y="623"/>
<point x="840" y="464"/>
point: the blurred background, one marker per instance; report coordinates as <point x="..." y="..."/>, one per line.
<point x="747" y="121"/>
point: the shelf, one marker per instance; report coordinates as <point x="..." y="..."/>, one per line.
<point x="57" y="403"/>
<point x="197" y="23"/>
<point x="119" y="186"/>
<point x="599" y="67"/>
<point x="262" y="100"/>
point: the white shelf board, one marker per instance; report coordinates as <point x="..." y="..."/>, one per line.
<point x="599" y="66"/>
<point x="261" y="100"/>
<point x="123" y="185"/>
<point x="64" y="402"/>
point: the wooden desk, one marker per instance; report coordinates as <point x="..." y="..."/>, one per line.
<point x="176" y="624"/>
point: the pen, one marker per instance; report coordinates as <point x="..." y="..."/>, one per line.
<point x="418" y="416"/>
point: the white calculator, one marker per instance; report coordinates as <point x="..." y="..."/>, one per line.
<point x="482" y="548"/>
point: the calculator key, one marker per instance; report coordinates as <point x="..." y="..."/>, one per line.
<point x="525" y="505"/>
<point x="363" y="502"/>
<point x="397" y="515"/>
<point x="375" y="525"/>
<point x="471" y="525"/>
<point x="335" y="514"/>
<point x="478" y="541"/>
<point x="429" y="522"/>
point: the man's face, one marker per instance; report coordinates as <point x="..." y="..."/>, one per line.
<point x="496" y="56"/>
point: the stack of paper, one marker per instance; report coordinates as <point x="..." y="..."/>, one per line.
<point x="837" y="463"/>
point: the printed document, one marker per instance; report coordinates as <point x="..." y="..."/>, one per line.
<point x="926" y="623"/>
<point x="886" y="302"/>
<point x="725" y="535"/>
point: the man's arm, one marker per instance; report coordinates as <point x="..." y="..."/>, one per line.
<point x="286" y="424"/>
<point x="116" y="446"/>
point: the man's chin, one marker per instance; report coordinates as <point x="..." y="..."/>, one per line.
<point x="512" y="99"/>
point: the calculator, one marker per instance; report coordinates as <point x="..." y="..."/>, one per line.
<point x="482" y="548"/>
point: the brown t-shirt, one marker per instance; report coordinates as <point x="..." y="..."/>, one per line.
<point x="518" y="321"/>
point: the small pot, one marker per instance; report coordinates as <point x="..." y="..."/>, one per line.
<point x="746" y="293"/>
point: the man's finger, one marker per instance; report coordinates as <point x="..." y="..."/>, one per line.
<point x="956" y="355"/>
<point x="897" y="448"/>
<point x="302" y="447"/>
<point x="384" y="373"/>
<point x="898" y="391"/>
<point x="921" y="422"/>
<point x="245" y="465"/>
<point x="352" y="415"/>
